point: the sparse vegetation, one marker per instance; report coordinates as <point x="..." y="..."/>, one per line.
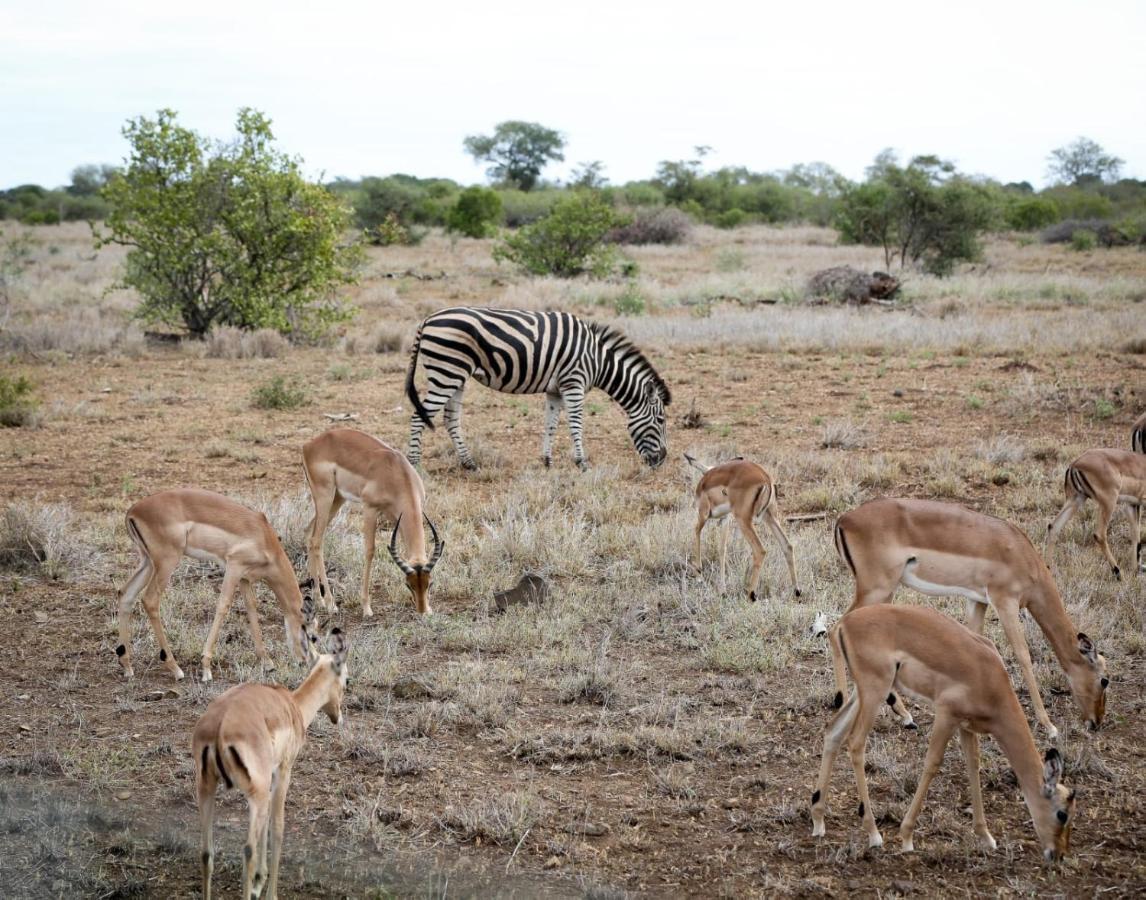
<point x="19" y="407"/>
<point x="278" y="393"/>
<point x="570" y="241"/>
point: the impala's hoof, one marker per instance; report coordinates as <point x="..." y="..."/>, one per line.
<point x="987" y="841"/>
<point x="875" y="840"/>
<point x="206" y="676"/>
<point x="178" y="673"/>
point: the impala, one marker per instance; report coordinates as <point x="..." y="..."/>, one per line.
<point x="1107" y="477"/>
<point x="204" y="525"/>
<point x="744" y="490"/>
<point x="248" y="739"/>
<point x="921" y="651"/>
<point x="345" y="464"/>
<point x="985" y="560"/>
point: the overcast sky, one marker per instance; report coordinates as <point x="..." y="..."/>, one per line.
<point x="376" y="88"/>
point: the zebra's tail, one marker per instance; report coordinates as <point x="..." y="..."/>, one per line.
<point x="411" y="391"/>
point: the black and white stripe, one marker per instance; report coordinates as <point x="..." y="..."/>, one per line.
<point x="524" y="352"/>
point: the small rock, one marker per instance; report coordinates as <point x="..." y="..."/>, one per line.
<point x="41" y="618"/>
<point x="123" y="795"/>
<point x="898" y="392"/>
<point x="731" y="803"/>
<point x="903" y="887"/>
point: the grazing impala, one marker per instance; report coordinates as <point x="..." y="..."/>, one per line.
<point x="921" y="651"/>
<point x="1107" y="477"/>
<point x="204" y="525"/>
<point x="958" y="552"/>
<point x="345" y="464"/>
<point x="248" y="739"/>
<point x="745" y="490"/>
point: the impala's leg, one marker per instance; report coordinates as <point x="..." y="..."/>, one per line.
<point x="127" y="598"/>
<point x="326" y="504"/>
<point x="553" y="406"/>
<point x="573" y="396"/>
<point x="725" y="527"/>
<point x="834" y="736"/>
<point x="152" y="594"/>
<point x="870" y="597"/>
<point x="231" y="578"/>
<point x="259" y="802"/>
<point x="454" y="428"/>
<point x="941" y="731"/>
<point x="772" y="518"/>
<point x="369" y="533"/>
<point x="442" y="387"/>
<point x="1106" y="509"/>
<point x="976" y="615"/>
<point x="205" y="795"/>
<point x="251" y="602"/>
<point x="970" y="743"/>
<point x="757" y="547"/>
<point x="701" y="521"/>
<point x="278" y="807"/>
<point x="857" y="748"/>
<point x="1009" y="617"/>
<point x="1069" y="510"/>
<point x="1138" y="542"/>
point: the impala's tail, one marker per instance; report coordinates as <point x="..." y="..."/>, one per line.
<point x="411" y="391"/>
<point x="842" y="548"/>
<point x="1076" y="483"/>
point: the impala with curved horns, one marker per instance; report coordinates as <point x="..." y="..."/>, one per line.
<point x="921" y="651"/>
<point x="946" y="550"/>
<point x="204" y="525"/>
<point x="1108" y="477"/>
<point x="346" y="464"/>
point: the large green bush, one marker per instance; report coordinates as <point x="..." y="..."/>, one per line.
<point x="569" y="241"/>
<point x="476" y="213"/>
<point x="1030" y="213"/>
<point x="227" y="233"/>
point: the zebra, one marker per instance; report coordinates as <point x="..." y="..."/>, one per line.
<point x="524" y="352"/>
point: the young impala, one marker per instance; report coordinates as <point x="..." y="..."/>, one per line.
<point x="345" y="464"/>
<point x="985" y="560"/>
<point x="204" y="525"/>
<point x="249" y="738"/>
<point x="921" y="651"/>
<point x="1107" y="477"/>
<point x="744" y="490"/>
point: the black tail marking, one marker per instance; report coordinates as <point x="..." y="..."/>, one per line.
<point x="838" y="700"/>
<point x="1086" y="488"/>
<point x="203" y="766"/>
<point x="842" y="542"/>
<point x="815" y="798"/>
<point x="411" y="391"/>
<point x="861" y="809"/>
<point x="222" y="771"/>
<point x="891" y="699"/>
<point x="843" y="649"/>
<point x="239" y="762"/>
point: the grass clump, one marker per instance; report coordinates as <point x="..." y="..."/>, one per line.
<point x="843" y="435"/>
<point x="502" y="820"/>
<point x="278" y="393"/>
<point x="40" y="539"/>
<point x="18" y="407"/>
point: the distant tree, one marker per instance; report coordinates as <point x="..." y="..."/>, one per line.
<point x="88" y="181"/>
<point x="817" y="177"/>
<point x="590" y="175"/>
<point x="476" y="212"/>
<point x="1082" y="161"/>
<point x="517" y="152"/>
<point x="226" y="233"/>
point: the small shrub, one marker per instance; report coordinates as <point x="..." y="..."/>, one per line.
<point x="629" y="302"/>
<point x="500" y="819"/>
<point x="843" y="435"/>
<point x="391" y="232"/>
<point x="388" y="339"/>
<point x="730" y="259"/>
<point x="18" y="408"/>
<point x="974" y="402"/>
<point x="476" y="213"/>
<point x="278" y="394"/>
<point x="663" y="225"/>
<point x="730" y="218"/>
<point x="41" y="539"/>
<point x="1103" y="408"/>
<point x="900" y="417"/>
<point x="570" y="241"/>
<point x="1083" y="239"/>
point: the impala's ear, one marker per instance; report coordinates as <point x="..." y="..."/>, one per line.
<point x="1052" y="771"/>
<point x="337" y="646"/>
<point x="1087" y="649"/>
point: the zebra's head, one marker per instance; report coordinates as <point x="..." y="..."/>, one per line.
<point x="647" y="422"/>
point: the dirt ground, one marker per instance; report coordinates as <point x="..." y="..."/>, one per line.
<point x="683" y="764"/>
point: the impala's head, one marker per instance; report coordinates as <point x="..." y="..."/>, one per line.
<point x="647" y="421"/>
<point x="417" y="574"/>
<point x="1053" y="810"/>
<point x="336" y="649"/>
<point x="1088" y="683"/>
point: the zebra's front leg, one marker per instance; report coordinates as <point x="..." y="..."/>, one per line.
<point x="573" y="396"/>
<point x="454" y="427"/>
<point x="553" y="406"/>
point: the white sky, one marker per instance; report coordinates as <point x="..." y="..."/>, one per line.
<point x="381" y="87"/>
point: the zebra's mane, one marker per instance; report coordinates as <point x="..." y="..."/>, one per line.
<point x="625" y="348"/>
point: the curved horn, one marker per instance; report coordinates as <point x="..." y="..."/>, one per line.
<point x="439" y="545"/>
<point x="401" y="563"/>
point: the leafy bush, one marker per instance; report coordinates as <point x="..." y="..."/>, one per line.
<point x="730" y="218"/>
<point x="409" y="200"/>
<point x="521" y="208"/>
<point x="658" y="225"/>
<point x="278" y="394"/>
<point x="390" y="232"/>
<point x="1063" y="232"/>
<point x="570" y="241"/>
<point x="227" y="233"/>
<point x="18" y="407"/>
<point x="476" y="213"/>
<point x="1031" y="213"/>
<point x="630" y="302"/>
<point x="1083" y="239"/>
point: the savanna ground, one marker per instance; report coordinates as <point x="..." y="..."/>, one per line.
<point x="647" y="730"/>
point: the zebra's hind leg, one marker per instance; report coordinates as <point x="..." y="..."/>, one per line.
<point x="433" y="402"/>
<point x="553" y="405"/>
<point x="573" y="396"/>
<point x="454" y="427"/>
